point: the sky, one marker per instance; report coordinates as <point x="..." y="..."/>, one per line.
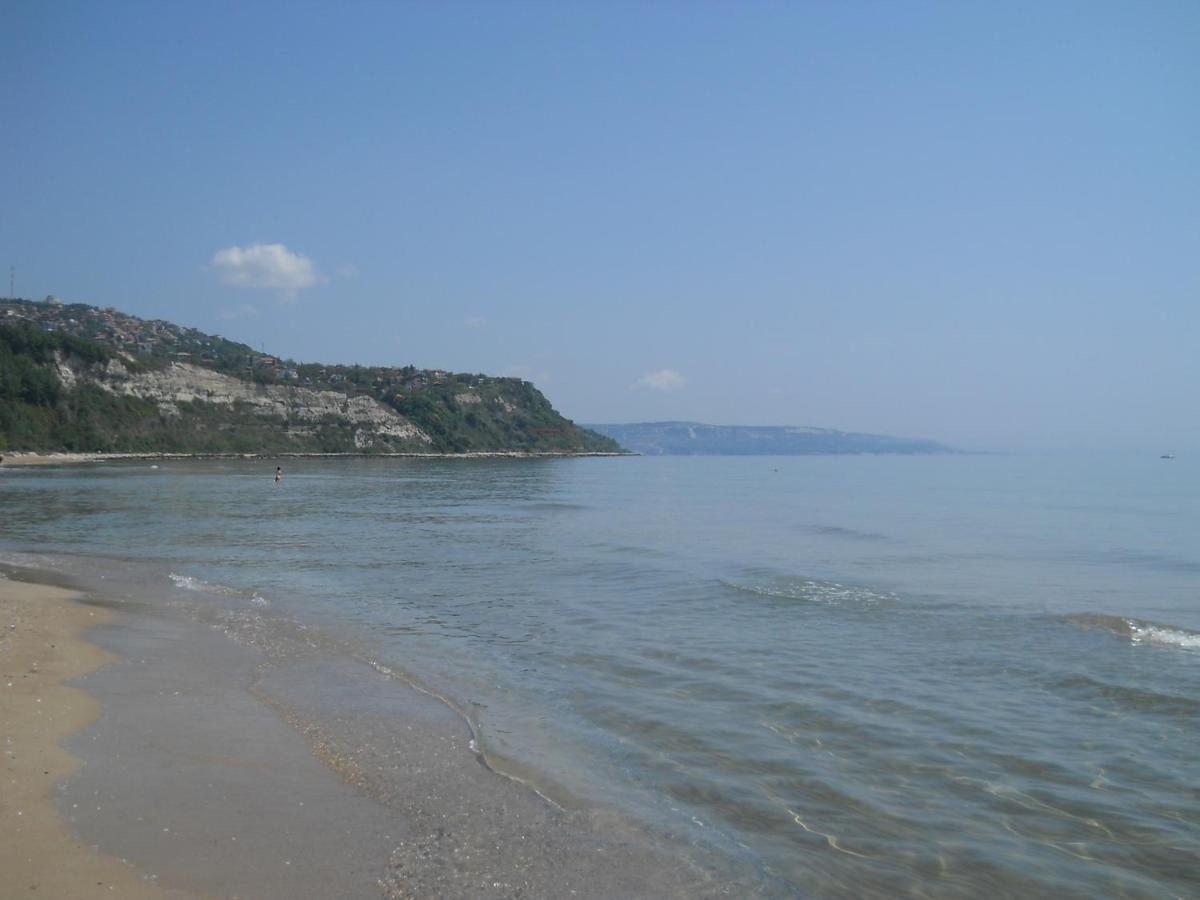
<point x="975" y="222"/>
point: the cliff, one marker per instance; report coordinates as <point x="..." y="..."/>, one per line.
<point x="77" y="378"/>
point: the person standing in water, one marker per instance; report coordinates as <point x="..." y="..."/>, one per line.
<point x="278" y="474"/>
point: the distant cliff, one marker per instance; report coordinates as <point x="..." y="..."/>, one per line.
<point x="78" y="378"/>
<point x="695" y="439"/>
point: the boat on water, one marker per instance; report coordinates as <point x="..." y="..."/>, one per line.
<point x="1167" y="456"/>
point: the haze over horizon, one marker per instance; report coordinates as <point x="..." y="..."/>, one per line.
<point x="973" y="223"/>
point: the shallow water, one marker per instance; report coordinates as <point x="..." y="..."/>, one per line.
<point x="870" y="676"/>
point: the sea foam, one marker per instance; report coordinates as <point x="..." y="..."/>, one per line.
<point x="1137" y="630"/>
<point x="192" y="583"/>
<point x="830" y="593"/>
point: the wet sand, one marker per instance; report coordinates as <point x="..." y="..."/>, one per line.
<point x="215" y="769"/>
<point x="40" y="649"/>
<point x="206" y="787"/>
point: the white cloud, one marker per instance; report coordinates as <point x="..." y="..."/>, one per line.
<point x="271" y="266"/>
<point x="664" y="380"/>
<point x="475" y="322"/>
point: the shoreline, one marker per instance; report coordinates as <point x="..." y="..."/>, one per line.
<point x="41" y="649"/>
<point x="20" y="458"/>
<point x="227" y="768"/>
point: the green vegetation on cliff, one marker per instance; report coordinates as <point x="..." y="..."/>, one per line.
<point x="77" y="378"/>
<point x="38" y="411"/>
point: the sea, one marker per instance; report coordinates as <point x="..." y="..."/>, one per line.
<point x="867" y="676"/>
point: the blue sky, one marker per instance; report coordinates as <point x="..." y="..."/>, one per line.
<point x="978" y="222"/>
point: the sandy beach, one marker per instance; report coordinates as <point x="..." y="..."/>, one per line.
<point x="180" y="763"/>
<point x="16" y="459"/>
<point x="40" y="649"/>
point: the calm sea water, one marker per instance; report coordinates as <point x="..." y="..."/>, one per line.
<point x="859" y="676"/>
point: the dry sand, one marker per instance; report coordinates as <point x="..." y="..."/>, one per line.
<point x="40" y="649"/>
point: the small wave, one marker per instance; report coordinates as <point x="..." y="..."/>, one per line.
<point x="830" y="593"/>
<point x="1127" y="696"/>
<point x="191" y="583"/>
<point x="556" y="506"/>
<point x="1137" y="630"/>
<point x="851" y="533"/>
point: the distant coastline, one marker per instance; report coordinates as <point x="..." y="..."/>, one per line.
<point x="699" y="439"/>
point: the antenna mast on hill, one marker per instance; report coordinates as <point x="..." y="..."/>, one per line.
<point x="12" y="278"/>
